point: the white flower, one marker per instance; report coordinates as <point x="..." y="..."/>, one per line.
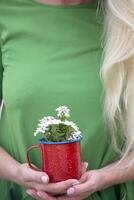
<point x="39" y="130"/>
<point x="77" y="135"/>
<point x="35" y="134"/>
<point x="63" y="111"/>
<point x="47" y="119"/>
<point x="45" y="123"/>
<point x="72" y="124"/>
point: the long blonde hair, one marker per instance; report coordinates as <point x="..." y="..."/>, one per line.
<point x="117" y="70"/>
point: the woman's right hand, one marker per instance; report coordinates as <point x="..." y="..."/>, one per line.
<point x="39" y="181"/>
<point x="57" y="188"/>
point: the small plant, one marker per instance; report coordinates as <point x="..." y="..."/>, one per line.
<point x="58" y="130"/>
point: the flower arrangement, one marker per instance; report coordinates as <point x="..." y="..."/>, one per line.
<point x="58" y="130"/>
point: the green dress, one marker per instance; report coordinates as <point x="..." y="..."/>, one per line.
<point x="50" y="56"/>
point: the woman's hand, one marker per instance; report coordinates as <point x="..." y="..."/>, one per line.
<point x="39" y="181"/>
<point x="90" y="182"/>
<point x="57" y="188"/>
<point x="96" y="180"/>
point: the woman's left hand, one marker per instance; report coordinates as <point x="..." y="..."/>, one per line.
<point x="95" y="180"/>
<point x="90" y="182"/>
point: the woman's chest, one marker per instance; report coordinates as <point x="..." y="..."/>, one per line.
<point x="49" y="52"/>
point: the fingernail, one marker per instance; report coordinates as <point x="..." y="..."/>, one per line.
<point x="29" y="193"/>
<point x="40" y="194"/>
<point x="70" y="191"/>
<point x="86" y="165"/>
<point x="44" y="179"/>
<point x="75" y="183"/>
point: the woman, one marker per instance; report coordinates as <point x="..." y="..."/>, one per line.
<point x="50" y="56"/>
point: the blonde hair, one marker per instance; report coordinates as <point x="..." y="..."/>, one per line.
<point x="117" y="70"/>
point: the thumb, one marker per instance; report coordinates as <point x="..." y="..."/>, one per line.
<point x="34" y="175"/>
<point x="84" y="166"/>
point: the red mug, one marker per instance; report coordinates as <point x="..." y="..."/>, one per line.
<point x="60" y="160"/>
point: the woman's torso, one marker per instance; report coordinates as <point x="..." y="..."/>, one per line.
<point x="51" y="57"/>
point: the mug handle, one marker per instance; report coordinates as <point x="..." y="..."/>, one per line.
<point x="36" y="146"/>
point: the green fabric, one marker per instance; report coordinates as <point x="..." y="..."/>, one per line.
<point x="50" y="56"/>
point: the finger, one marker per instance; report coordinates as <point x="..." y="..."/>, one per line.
<point x="79" y="197"/>
<point x="39" y="195"/>
<point x="81" y="188"/>
<point x="33" y="194"/>
<point x="84" y="167"/>
<point x="56" y="188"/>
<point x="37" y="176"/>
<point x="65" y="197"/>
<point x="43" y="195"/>
<point x="84" y="177"/>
